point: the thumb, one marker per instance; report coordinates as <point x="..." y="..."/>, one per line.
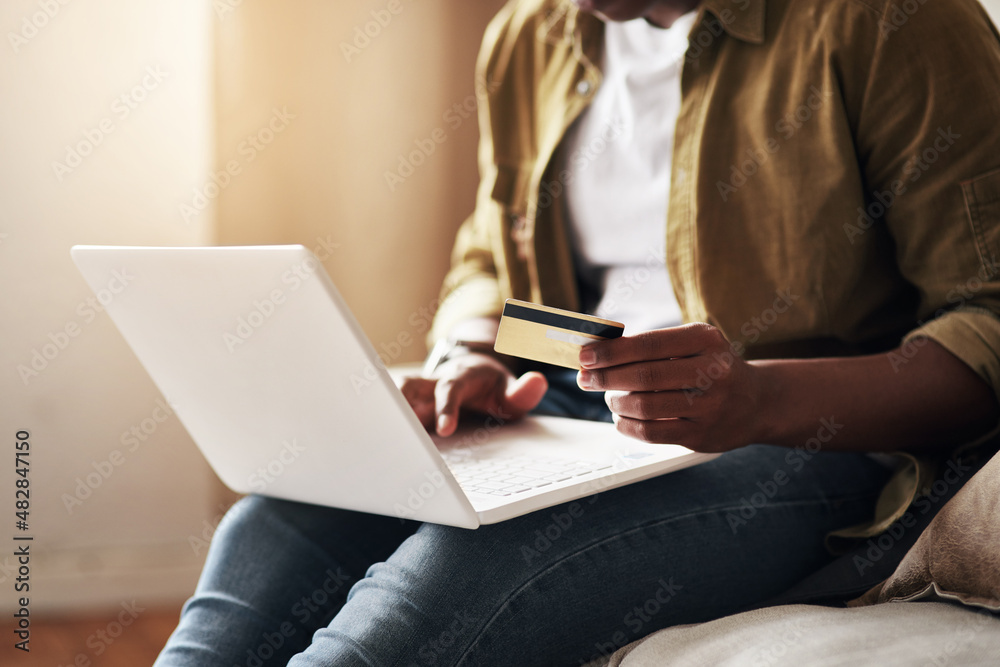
<point x="525" y="392"/>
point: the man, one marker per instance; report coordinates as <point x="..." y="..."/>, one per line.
<point x="826" y="180"/>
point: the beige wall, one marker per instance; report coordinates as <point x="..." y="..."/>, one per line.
<point x="62" y="86"/>
<point x="355" y="114"/>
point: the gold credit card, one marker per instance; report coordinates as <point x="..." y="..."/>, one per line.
<point x="550" y="335"/>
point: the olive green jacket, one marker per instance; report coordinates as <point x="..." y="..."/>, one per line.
<point x="835" y="187"/>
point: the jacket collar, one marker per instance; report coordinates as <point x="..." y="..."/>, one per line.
<point x="742" y="19"/>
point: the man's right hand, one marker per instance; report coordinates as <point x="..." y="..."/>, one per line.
<point x="471" y="382"/>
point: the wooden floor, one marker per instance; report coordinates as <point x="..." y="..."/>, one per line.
<point x="91" y="640"/>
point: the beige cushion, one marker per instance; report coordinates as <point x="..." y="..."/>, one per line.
<point x="957" y="557"/>
<point x="886" y="635"/>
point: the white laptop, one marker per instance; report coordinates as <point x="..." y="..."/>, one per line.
<point x="275" y="381"/>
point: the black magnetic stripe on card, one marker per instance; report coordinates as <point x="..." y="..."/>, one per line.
<point x="562" y="321"/>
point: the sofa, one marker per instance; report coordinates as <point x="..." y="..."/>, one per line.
<point x="887" y="635"/>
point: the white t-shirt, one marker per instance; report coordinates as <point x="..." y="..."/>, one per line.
<point x="619" y="153"/>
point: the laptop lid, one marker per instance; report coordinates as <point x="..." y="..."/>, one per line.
<point x="268" y="371"/>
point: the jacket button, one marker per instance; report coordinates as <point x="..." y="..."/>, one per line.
<point x="584" y="88"/>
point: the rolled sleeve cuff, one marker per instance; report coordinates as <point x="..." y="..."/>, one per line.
<point x="472" y="298"/>
<point x="972" y="334"/>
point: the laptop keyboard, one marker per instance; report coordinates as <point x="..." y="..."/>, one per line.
<point x="505" y="476"/>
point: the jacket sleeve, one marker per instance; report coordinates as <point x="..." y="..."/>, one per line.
<point x="928" y="139"/>
<point x="473" y="286"/>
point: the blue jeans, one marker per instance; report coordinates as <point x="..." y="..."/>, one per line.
<point x="288" y="583"/>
